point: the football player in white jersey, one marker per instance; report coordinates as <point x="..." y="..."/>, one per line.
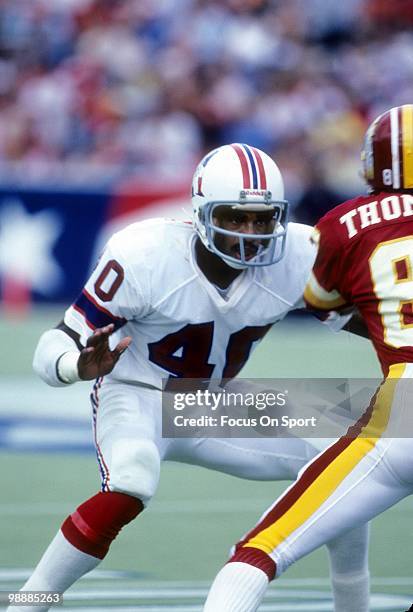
<point x="180" y="300"/>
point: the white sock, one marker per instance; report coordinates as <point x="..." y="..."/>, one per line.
<point x="238" y="587"/>
<point x="350" y="593"/>
<point x="61" y="565"/>
<point x="350" y="578"/>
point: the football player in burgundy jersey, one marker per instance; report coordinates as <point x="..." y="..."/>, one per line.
<point x="365" y="259"/>
<point x="192" y="300"/>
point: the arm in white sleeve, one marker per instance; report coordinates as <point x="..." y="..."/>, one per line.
<point x="55" y="358"/>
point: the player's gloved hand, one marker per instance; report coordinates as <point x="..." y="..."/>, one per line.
<point x="97" y="359"/>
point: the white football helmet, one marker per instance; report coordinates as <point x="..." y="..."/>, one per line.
<point x="243" y="178"/>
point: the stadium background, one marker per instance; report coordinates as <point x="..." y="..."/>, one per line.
<point x="105" y="107"/>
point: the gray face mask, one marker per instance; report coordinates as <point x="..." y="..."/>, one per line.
<point x="250" y="250"/>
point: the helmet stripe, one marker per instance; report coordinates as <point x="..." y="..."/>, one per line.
<point x="394" y="126"/>
<point x="261" y="169"/>
<point x="253" y="167"/>
<point x="244" y="165"/>
<point x="407" y="144"/>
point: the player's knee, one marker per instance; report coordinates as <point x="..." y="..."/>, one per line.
<point x="97" y="522"/>
<point x="135" y="468"/>
<point x="257" y="558"/>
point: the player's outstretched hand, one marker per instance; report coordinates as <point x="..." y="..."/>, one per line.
<point x="96" y="359"/>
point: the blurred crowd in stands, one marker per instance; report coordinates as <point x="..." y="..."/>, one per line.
<point x="96" y="91"/>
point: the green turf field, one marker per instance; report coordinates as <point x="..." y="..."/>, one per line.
<point x="166" y="559"/>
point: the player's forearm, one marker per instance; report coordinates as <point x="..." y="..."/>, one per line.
<point x="55" y="358"/>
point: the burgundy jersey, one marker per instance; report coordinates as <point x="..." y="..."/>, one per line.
<point x="365" y="259"/>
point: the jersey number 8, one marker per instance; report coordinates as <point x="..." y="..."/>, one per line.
<point x="391" y="269"/>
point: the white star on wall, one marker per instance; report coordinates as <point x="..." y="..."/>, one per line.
<point x="26" y="242"/>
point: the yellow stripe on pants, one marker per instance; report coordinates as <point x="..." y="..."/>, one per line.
<point x="334" y="473"/>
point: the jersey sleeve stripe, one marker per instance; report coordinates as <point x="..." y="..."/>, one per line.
<point x="94" y="314"/>
<point x="325" y="474"/>
<point x="83" y="314"/>
<point x="317" y="297"/>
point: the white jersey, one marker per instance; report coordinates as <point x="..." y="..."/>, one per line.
<point x="148" y="284"/>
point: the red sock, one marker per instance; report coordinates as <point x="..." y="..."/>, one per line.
<point x="97" y="522"/>
<point x="257" y="558"/>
